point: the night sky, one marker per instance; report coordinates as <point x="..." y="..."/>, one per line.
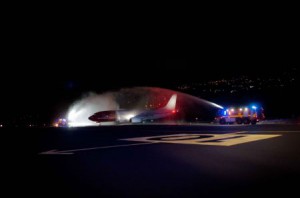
<point x="45" y="70"/>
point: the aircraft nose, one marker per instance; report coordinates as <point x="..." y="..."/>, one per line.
<point x="92" y="118"/>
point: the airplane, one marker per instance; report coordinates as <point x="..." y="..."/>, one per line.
<point x="136" y="116"/>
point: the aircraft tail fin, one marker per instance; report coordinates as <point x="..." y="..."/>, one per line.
<point x="172" y="102"/>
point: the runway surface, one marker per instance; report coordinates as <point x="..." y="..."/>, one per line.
<point x="153" y="161"/>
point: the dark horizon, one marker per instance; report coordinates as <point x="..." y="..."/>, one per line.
<point x="44" y="78"/>
<point x="50" y="96"/>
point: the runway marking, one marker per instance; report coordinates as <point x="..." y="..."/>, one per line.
<point x="228" y="139"/>
<point x="276" y="131"/>
<point x="71" y="152"/>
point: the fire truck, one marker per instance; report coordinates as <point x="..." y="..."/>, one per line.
<point x="240" y="115"/>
